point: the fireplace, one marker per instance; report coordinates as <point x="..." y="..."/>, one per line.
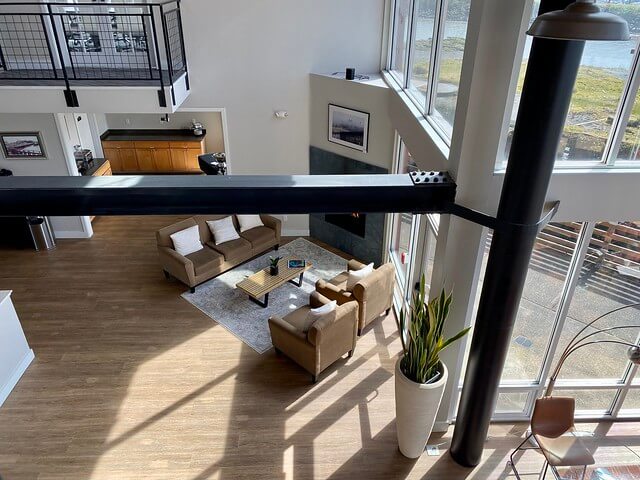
<point x="360" y="235"/>
<point x="355" y="223"/>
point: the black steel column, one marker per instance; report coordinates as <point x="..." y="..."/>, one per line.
<point x="546" y="94"/>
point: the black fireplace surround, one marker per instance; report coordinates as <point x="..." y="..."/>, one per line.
<point x="357" y="234"/>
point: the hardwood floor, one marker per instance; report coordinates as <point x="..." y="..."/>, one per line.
<point x="130" y="381"/>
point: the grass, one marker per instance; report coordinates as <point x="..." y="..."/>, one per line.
<point x="594" y="103"/>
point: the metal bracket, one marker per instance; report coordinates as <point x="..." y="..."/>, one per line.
<point x="71" y="98"/>
<point x="550" y="210"/>
<point x="162" y="98"/>
<point x="423" y="177"/>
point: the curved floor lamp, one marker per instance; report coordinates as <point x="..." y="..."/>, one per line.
<point x="553" y="416"/>
<point x="633" y="352"/>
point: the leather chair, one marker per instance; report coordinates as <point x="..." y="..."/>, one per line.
<point x="327" y="340"/>
<point x="374" y="293"/>
<point x="554" y="431"/>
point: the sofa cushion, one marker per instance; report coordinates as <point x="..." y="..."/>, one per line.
<point x="234" y="249"/>
<point x="187" y="241"/>
<point x="205" y="260"/>
<point x="356" y="275"/>
<point x="223" y="230"/>
<point x="340" y="280"/>
<point x="259" y="236"/>
<point x="247" y="222"/>
<point x="298" y="318"/>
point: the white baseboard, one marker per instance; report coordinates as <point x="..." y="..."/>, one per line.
<point x="71" y="234"/>
<point x="295" y="233"/>
<point x="15" y="376"/>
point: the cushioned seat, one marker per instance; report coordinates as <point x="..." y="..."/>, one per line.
<point x="297" y="318"/>
<point x="340" y="280"/>
<point x="328" y="338"/>
<point x="374" y="292"/>
<point x="259" y="236"/>
<point x="205" y="260"/>
<point x="565" y="451"/>
<point x="233" y="249"/>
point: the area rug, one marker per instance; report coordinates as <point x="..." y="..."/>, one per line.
<point x="219" y="299"/>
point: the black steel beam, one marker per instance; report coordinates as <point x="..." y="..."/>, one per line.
<point x="193" y="194"/>
<point x="544" y="103"/>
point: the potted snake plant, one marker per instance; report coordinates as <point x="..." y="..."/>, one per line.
<point x="420" y="376"/>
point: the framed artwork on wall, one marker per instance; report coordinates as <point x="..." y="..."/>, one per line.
<point x="23" y="145"/>
<point x="349" y="128"/>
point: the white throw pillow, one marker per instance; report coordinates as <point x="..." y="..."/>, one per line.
<point x="317" y="313"/>
<point x="187" y="241"/>
<point x="356" y="275"/>
<point x="223" y="230"/>
<point x="247" y="222"/>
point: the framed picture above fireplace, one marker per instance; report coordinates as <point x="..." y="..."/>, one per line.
<point x="349" y="128"/>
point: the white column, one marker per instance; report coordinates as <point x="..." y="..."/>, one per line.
<point x="15" y="354"/>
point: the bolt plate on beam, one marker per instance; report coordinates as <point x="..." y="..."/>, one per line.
<point x="423" y="177"/>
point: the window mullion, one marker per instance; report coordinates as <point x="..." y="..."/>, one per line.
<point x="623" y="113"/>
<point x="579" y="254"/>
<point x="631" y="372"/>
<point x="434" y="63"/>
<point x="411" y="44"/>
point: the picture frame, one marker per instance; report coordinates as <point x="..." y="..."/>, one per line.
<point x="22" y="146"/>
<point x="349" y="127"/>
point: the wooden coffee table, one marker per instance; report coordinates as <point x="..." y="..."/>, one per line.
<point x="261" y="283"/>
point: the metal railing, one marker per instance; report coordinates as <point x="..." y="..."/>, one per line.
<point x="105" y="43"/>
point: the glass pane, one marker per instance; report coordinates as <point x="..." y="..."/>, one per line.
<point x="543" y="287"/>
<point x="429" y="255"/>
<point x="511" y="402"/>
<point x="609" y="278"/>
<point x="631" y="138"/>
<point x="422" y="43"/>
<point x="401" y="19"/>
<point x="400" y="243"/>
<point x="604" y="70"/>
<point x="632" y="402"/>
<point x="592" y="401"/>
<point x="451" y="51"/>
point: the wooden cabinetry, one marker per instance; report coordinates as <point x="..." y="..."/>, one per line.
<point x="101" y="171"/>
<point x="153" y="156"/>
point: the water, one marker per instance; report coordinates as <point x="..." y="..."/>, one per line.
<point x="609" y="55"/>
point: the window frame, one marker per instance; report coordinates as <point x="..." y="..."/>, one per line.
<point x="535" y="388"/>
<point x="426" y="106"/>
<point x="620" y="119"/>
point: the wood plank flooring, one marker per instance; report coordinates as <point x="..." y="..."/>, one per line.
<point x="132" y="382"/>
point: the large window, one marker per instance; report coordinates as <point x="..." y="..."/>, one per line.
<point x="577" y="272"/>
<point x="603" y="124"/>
<point x="426" y="55"/>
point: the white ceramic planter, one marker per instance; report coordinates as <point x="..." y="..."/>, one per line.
<point x="416" y="408"/>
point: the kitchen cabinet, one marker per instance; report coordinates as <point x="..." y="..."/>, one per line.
<point x="154" y="156"/>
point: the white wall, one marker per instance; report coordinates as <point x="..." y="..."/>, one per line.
<point x="368" y="96"/>
<point x="212" y="122"/>
<point x="15" y="354"/>
<point x="54" y="165"/>
<point x="254" y="57"/>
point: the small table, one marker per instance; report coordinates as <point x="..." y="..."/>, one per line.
<point x="261" y="283"/>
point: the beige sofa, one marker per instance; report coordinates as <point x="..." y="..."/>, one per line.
<point x="374" y="293"/>
<point x="327" y="340"/>
<point x="213" y="259"/>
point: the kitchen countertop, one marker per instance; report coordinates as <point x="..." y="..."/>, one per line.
<point x="97" y="163"/>
<point x="184" y="135"/>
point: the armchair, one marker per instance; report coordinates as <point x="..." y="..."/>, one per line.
<point x="327" y="340"/>
<point x="374" y="293"/>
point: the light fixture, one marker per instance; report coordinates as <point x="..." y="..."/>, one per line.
<point x="581" y="20"/>
<point x="580" y="340"/>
